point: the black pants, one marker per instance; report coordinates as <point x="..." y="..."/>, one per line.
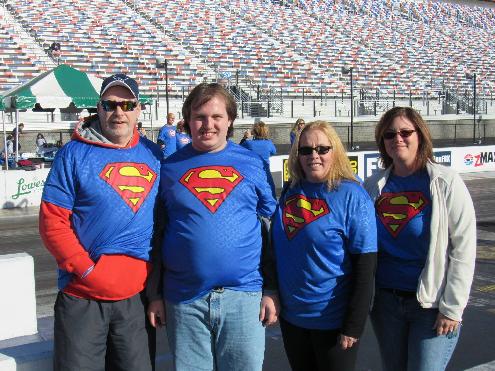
<point x="102" y="335"/>
<point x="316" y="350"/>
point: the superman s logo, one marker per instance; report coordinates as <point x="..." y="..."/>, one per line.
<point x="211" y="184"/>
<point x="132" y="181"/>
<point x="299" y="211"/>
<point x="395" y="210"/>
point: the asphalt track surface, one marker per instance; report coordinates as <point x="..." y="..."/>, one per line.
<point x="476" y="347"/>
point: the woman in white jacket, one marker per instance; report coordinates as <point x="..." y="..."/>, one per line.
<point x="426" y="247"/>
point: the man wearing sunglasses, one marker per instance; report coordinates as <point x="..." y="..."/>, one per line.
<point x="96" y="218"/>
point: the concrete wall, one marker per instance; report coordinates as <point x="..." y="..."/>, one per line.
<point x="18" y="309"/>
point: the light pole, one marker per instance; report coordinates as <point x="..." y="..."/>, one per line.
<point x="473" y="77"/>
<point x="348" y="71"/>
<point x="162" y="63"/>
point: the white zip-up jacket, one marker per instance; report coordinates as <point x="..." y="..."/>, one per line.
<point x="446" y="278"/>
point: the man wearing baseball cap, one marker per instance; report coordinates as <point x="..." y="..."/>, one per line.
<point x="96" y="218"/>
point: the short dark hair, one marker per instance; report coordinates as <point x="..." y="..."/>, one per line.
<point x="202" y="94"/>
<point x="425" y="147"/>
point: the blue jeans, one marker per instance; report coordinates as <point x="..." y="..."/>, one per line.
<point x="406" y="336"/>
<point x="220" y="331"/>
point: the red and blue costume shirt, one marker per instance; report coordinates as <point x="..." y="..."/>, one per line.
<point x="168" y="135"/>
<point x="98" y="210"/>
<point x="403" y="213"/>
<point x="183" y="139"/>
<point x="314" y="232"/>
<point x="213" y="234"/>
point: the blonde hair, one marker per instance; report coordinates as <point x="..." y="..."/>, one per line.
<point x="340" y="168"/>
<point x="260" y="130"/>
<point x="298" y="121"/>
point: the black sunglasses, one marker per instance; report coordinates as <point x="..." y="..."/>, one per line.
<point x="321" y="150"/>
<point x="126" y="105"/>
<point x="404" y="133"/>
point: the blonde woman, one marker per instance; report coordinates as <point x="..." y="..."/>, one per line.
<point x="296" y="129"/>
<point x="324" y="234"/>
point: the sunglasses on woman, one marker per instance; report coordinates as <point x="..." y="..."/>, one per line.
<point x="404" y="133"/>
<point x="321" y="150"/>
<point x="126" y="105"/>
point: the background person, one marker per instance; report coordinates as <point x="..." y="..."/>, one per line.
<point x="40" y="143"/>
<point x="167" y="135"/>
<point x="8" y="149"/>
<point x="16" y="138"/>
<point x="260" y="143"/>
<point x="246" y="136"/>
<point x="9" y="146"/>
<point x="324" y="234"/>
<point x="296" y="130"/>
<point x="183" y="139"/>
<point x="213" y="193"/>
<point x="96" y="219"/>
<point x="427" y="247"/>
<point x="141" y="130"/>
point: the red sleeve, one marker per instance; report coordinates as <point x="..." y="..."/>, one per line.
<point x="60" y="239"/>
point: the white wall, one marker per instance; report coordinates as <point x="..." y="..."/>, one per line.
<point x="17" y="294"/>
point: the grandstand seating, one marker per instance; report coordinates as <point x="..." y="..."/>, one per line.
<point x="17" y="62"/>
<point x="400" y="45"/>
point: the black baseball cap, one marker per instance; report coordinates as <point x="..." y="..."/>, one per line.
<point x="120" y="79"/>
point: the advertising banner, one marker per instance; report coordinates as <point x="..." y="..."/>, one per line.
<point x="474" y="159"/>
<point x="22" y="188"/>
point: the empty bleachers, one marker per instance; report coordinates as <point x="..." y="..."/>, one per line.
<point x="401" y="45"/>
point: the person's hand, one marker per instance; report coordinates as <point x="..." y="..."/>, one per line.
<point x="156" y="313"/>
<point x="269" y="309"/>
<point x="444" y="325"/>
<point x="346" y="342"/>
<point x="247" y="134"/>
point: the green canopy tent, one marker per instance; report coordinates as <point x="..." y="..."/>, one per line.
<point x="2" y="109"/>
<point x="57" y="88"/>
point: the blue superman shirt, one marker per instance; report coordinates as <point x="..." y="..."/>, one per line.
<point x="213" y="235"/>
<point x="314" y="232"/>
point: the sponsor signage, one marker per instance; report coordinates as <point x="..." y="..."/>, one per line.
<point x="354" y="164"/>
<point x="443" y="157"/>
<point x="371" y="164"/>
<point x="22" y="188"/>
<point x="480" y="159"/>
<point x="285" y="170"/>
